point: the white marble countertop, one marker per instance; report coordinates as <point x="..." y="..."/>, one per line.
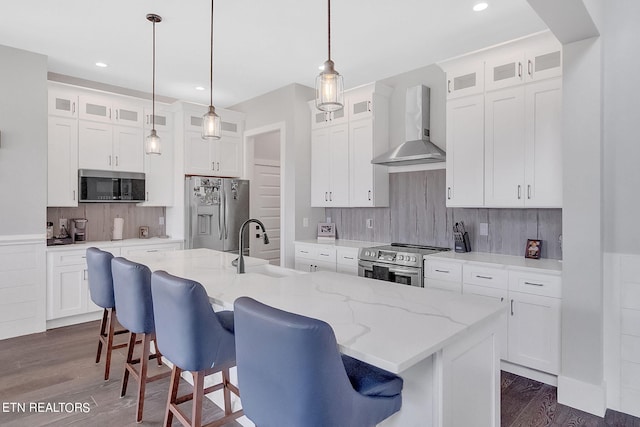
<point x="387" y="325"/>
<point x="510" y="261"/>
<point x="113" y="243"/>
<point x="342" y="243"/>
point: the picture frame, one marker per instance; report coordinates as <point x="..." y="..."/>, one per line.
<point x="143" y="232"/>
<point x="533" y="249"/>
<point x="326" y="231"/>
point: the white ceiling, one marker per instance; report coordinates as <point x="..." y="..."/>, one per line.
<point x="259" y="45"/>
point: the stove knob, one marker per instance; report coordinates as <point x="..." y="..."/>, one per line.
<point x="400" y="257"/>
<point x="413" y="259"/>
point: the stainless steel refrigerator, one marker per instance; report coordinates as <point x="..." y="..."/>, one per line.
<point x="216" y="208"/>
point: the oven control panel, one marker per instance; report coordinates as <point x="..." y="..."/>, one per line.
<point x="391" y="257"/>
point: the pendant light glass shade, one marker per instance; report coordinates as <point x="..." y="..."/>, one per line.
<point x="329" y="85"/>
<point x="211" y="125"/>
<point x="329" y="89"/>
<point x="152" y="142"/>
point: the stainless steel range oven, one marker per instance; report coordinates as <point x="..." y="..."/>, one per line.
<point x="399" y="263"/>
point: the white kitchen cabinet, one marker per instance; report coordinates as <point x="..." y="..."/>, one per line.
<point x="158" y="170"/>
<point x="62" y="161"/>
<point x="63" y="102"/>
<point x="465" y="152"/>
<point x="312" y="258"/>
<point x="330" y="166"/>
<point x="163" y="119"/>
<point x="495" y="294"/>
<point x="109" y="109"/>
<point x="441" y="274"/>
<point x="523" y="147"/>
<point x="534" y="331"/>
<point x="347" y="260"/>
<point x="466" y="78"/>
<point x="544" y="61"/>
<point x="320" y="119"/>
<point x="221" y="157"/>
<point x="67" y="283"/>
<point x="104" y="146"/>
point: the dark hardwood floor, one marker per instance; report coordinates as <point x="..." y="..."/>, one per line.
<point x="58" y="367"/>
<point x="530" y="403"/>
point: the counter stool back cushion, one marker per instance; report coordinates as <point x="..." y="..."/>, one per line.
<point x="291" y="373"/>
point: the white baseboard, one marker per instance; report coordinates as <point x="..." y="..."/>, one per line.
<point x="523" y="371"/>
<point x="74" y="320"/>
<point x="586" y="397"/>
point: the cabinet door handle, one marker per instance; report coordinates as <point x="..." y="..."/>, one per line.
<point x="218" y="164"/>
<point x="304" y="252"/>
<point x="147" y="196"/>
<point x="74" y="195"/>
<point x="442" y="271"/>
<point x="84" y="274"/>
<point x="109" y="112"/>
<point x="519" y="192"/>
<point x="501" y="299"/>
<point x="116" y="160"/>
<point x="484" y="277"/>
<point x="109" y="160"/>
<point x="449" y="193"/>
<point x="326" y="196"/>
<point x="534" y="284"/>
<point x="528" y="191"/>
<point x="324" y="254"/>
<point x="73" y="108"/>
<point x="117" y="115"/>
<point x="520" y="69"/>
<point x="347" y="257"/>
<point x="530" y="67"/>
<point x="152" y="250"/>
<point x="448" y="86"/>
<point x="331" y="196"/>
<point x="213" y="166"/>
<point x="369" y="106"/>
<point x="369" y="195"/>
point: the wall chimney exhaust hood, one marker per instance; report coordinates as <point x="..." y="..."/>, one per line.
<point x="417" y="149"/>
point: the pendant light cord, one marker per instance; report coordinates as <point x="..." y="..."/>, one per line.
<point x="329" y="26"/>
<point x="153" y="84"/>
<point x="211" y="69"/>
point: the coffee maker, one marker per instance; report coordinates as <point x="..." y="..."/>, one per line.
<point x="79" y="229"/>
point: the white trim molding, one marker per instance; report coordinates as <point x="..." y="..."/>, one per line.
<point x="584" y="396"/>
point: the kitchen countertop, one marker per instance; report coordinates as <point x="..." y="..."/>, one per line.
<point x="342" y="243"/>
<point x="113" y="243"/>
<point x="510" y="261"/>
<point x="387" y="325"/>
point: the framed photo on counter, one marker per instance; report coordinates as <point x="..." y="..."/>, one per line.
<point x="326" y="231"/>
<point x="533" y="249"/>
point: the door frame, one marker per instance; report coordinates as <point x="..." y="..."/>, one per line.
<point x="248" y="150"/>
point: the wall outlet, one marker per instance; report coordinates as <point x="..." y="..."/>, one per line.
<point x="161" y="220"/>
<point x="369" y="222"/>
<point x="305" y="222"/>
<point x="328" y="220"/>
<point x="484" y="229"/>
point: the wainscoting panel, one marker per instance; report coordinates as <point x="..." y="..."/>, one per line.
<point x="417" y="213"/>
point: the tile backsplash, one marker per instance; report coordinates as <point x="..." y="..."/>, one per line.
<point x="417" y="213"/>
<point x="100" y="219"/>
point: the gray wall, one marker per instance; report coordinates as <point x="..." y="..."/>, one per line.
<point x="23" y="149"/>
<point x="289" y="105"/>
<point x="418" y="214"/>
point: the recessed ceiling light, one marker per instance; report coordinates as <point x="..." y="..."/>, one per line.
<point x="199" y="88"/>
<point x="480" y="6"/>
<point x="101" y="65"/>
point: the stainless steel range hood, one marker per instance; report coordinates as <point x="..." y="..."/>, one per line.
<point x="417" y="149"/>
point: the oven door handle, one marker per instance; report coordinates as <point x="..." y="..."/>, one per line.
<point x="404" y="271"/>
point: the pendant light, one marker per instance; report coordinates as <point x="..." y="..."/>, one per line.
<point x="152" y="143"/>
<point x="211" y="126"/>
<point x="329" y="86"/>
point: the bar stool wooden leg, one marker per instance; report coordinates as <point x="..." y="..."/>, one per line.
<point x="198" y="388"/>
<point x="173" y="394"/>
<point x="226" y="392"/>
<point x="103" y="327"/>
<point x="110" y="327"/>
<point x="142" y="380"/>
<point x="125" y="375"/>
<point x="159" y="356"/>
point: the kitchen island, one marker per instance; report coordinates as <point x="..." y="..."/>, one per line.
<point x="444" y="345"/>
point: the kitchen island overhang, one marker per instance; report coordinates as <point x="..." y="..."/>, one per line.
<point x="444" y="345"/>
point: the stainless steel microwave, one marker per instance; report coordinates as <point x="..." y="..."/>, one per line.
<point x="109" y="186"/>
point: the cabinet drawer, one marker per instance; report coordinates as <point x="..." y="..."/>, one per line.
<point x="143" y="249"/>
<point x="485" y="276"/>
<point x="443" y="270"/>
<point x="316" y="252"/>
<point x="75" y="257"/>
<point x="493" y="293"/>
<point x="535" y="283"/>
<point x="306" y="251"/>
<point x="447" y="285"/>
<point x="347" y="256"/>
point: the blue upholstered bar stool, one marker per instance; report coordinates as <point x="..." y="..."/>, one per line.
<point x="195" y="339"/>
<point x="132" y="291"/>
<point x="101" y="293"/>
<point x="291" y="373"/>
